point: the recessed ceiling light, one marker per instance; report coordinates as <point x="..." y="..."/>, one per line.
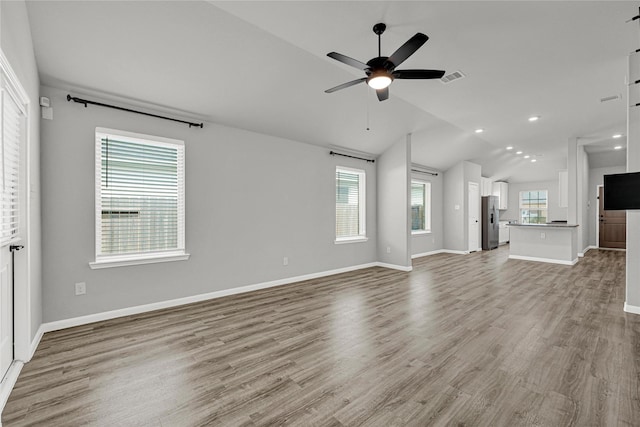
<point x="509" y="148"/>
<point x="617" y="147"/>
<point x="616" y="136"/>
<point x="533" y="160"/>
<point x="527" y="156"/>
<point x="534" y="118"/>
<point x="479" y="130"/>
<point x="518" y="152"/>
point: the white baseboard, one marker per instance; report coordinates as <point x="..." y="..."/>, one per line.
<point x="581" y="254"/>
<point x="549" y="260"/>
<point x="113" y="314"/>
<point x="6" y="386"/>
<point x="439" y="251"/>
<point x="394" y="266"/>
<point x="36" y="342"/>
<point x="631" y="308"/>
<point x="449" y="251"/>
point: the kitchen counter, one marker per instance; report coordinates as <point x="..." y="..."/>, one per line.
<point x="555" y="243"/>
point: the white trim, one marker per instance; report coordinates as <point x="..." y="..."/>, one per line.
<point x="581" y="254"/>
<point x="549" y="260"/>
<point x="420" y="232"/>
<point x="598" y="214"/>
<point x="451" y="251"/>
<point x="343" y="240"/>
<point x="112" y="314"/>
<point x="8" y="382"/>
<point x="634" y="309"/>
<point x="35" y="343"/>
<point x="114" y="262"/>
<point x="394" y="266"/>
<point x="613" y="249"/>
<point x="423" y="254"/>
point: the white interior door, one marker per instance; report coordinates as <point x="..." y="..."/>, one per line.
<point x="12" y="122"/>
<point x="474" y="216"/>
<point x="6" y="310"/>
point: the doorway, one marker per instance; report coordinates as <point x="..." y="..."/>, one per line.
<point x="474" y="217"/>
<point x="612" y="225"/>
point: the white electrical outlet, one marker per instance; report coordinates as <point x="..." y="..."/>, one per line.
<point x="543" y="236"/>
<point x="81" y="288"/>
<point x="285" y="261"/>
<point x="388" y="249"/>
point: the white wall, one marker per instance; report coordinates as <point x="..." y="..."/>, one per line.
<point x="555" y="212"/>
<point x="428" y="242"/>
<point x="632" y="301"/>
<point x="394" y="215"/>
<point x="251" y="200"/>
<point x="453" y="209"/>
<point x="596" y="177"/>
<point x="15" y="40"/>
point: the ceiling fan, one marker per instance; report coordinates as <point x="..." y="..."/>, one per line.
<point x="381" y="71"/>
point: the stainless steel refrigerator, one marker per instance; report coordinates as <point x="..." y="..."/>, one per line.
<point x="490" y="226"/>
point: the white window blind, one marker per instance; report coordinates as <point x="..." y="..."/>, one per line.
<point x="417" y="206"/>
<point x="139" y="196"/>
<point x="350" y="203"/>
<point x="12" y="125"/>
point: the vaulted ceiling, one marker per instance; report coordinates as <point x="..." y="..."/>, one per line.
<point x="262" y="66"/>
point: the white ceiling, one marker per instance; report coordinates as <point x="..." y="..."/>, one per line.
<point x="262" y="66"/>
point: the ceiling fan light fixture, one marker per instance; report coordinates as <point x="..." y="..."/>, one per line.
<point x="379" y="80"/>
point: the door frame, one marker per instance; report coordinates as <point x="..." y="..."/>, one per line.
<point x="22" y="295"/>
<point x="598" y="215"/>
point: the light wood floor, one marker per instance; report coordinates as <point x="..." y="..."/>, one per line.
<point x="475" y="340"/>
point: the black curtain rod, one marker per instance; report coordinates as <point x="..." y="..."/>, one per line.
<point x="333" y="153"/>
<point x="428" y="173"/>
<point x="100" y="104"/>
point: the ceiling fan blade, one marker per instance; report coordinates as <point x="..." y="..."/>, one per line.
<point x="418" y="74"/>
<point x="383" y="94"/>
<point x="349" y="61"/>
<point x="407" y="49"/>
<point x="345" y="85"/>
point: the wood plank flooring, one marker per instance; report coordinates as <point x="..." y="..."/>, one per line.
<point x="465" y="340"/>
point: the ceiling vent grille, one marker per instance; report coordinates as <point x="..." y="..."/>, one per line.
<point x="456" y="75"/>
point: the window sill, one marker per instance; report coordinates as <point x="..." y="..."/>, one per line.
<point x="359" y="239"/>
<point x="126" y="261"/>
<point x="420" y="232"/>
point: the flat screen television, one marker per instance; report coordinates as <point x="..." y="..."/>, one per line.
<point x="622" y="191"/>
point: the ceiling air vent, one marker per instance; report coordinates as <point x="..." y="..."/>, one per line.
<point x="456" y="75"/>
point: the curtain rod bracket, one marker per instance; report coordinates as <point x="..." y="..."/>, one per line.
<point x="85" y="102"/>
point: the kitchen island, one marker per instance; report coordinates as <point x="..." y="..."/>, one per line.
<point x="556" y="243"/>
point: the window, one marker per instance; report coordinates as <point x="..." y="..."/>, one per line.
<point x="420" y="207"/>
<point x="139" y="199"/>
<point x="533" y="207"/>
<point x="350" y="205"/>
<point x="12" y="122"/>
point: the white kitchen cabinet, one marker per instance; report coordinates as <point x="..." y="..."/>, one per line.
<point x="503" y="232"/>
<point x="563" y="189"/>
<point x="501" y="189"/>
<point x="486" y="187"/>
